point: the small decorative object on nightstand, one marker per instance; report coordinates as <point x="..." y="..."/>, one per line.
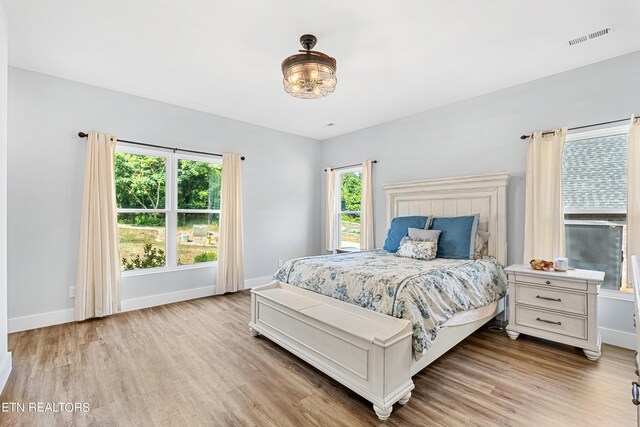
<point x="557" y="306"/>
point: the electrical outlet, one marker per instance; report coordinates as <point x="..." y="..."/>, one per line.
<point x="280" y="263"/>
<point x="72" y="291"/>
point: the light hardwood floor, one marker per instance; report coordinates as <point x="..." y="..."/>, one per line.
<point x="194" y="363"/>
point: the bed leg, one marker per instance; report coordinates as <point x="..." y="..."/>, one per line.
<point x="404" y="399"/>
<point x="382" y="413"/>
<point x="253" y="332"/>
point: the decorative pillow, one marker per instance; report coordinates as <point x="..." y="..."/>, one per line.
<point x="457" y="237"/>
<point x="417" y="249"/>
<point x="482" y="239"/>
<point x="400" y="228"/>
<point x="420" y="234"/>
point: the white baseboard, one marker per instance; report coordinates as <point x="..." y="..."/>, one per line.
<point x="258" y="281"/>
<point x="5" y="369"/>
<point x="17" y="324"/>
<point x="618" y="338"/>
<point x="25" y="323"/>
<point x="34" y="321"/>
<point x="168" y="298"/>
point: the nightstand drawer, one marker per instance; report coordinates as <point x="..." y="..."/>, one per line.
<point x="552" y="298"/>
<point x="552" y="322"/>
<point x="550" y="280"/>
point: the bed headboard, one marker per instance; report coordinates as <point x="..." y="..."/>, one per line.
<point x="464" y="195"/>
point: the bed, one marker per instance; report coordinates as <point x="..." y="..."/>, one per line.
<point x="428" y="293"/>
<point x="372" y="320"/>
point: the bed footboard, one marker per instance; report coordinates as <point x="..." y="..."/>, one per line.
<point x="368" y="352"/>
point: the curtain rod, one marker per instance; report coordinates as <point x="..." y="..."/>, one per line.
<point x="144" y="144"/>
<point x="584" y="127"/>
<point x="348" y="166"/>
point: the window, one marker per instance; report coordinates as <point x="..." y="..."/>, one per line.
<point x="198" y="210"/>
<point x="594" y="176"/>
<point x="141" y="184"/>
<point x="168" y="209"/>
<point x="349" y="191"/>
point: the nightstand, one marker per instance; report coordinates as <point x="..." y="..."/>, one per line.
<point x="560" y="307"/>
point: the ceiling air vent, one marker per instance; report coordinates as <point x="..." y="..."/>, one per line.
<point x="593" y="35"/>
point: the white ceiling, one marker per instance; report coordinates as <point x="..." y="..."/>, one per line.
<point x="395" y="58"/>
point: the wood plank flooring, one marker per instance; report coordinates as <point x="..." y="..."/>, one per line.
<point x="194" y="363"/>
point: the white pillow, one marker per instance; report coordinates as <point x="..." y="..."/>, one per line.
<point x="417" y="249"/>
<point x="421" y="234"/>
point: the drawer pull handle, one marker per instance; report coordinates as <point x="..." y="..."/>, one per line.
<point x="548" y="321"/>
<point x="635" y="393"/>
<point x="548" y="282"/>
<point x="549" y="299"/>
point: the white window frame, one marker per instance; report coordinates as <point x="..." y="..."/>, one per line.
<point x="599" y="133"/>
<point x="338" y="204"/>
<point x="171" y="208"/>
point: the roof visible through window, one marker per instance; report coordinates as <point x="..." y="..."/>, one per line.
<point x="594" y="174"/>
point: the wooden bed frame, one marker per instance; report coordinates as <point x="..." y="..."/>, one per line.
<point x="366" y="351"/>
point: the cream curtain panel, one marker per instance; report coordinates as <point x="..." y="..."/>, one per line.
<point x="329" y="210"/>
<point x="633" y="191"/>
<point x="98" y="270"/>
<point x="230" y="243"/>
<point x="366" y="208"/>
<point x="544" y="216"/>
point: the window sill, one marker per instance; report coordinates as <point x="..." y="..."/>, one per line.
<point x="347" y="250"/>
<point x="621" y="295"/>
<point x="160" y="270"/>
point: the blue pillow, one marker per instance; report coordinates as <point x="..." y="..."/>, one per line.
<point x="457" y="236"/>
<point x="400" y="228"/>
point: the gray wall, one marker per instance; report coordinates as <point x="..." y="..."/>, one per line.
<point x="282" y="174"/>
<point x="281" y="208"/>
<point x="481" y="135"/>
<point x="3" y="186"/>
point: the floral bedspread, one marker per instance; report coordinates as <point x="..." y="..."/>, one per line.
<point x="428" y="293"/>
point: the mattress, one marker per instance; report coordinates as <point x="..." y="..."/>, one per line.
<point x="470" y="316"/>
<point x="428" y="293"/>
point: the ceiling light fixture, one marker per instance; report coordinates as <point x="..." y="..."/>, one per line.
<point x="309" y="74"/>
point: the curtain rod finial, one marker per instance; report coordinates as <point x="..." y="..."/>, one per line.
<point x="82" y="135"/>
<point x="242" y="158"/>
<point x="524" y="137"/>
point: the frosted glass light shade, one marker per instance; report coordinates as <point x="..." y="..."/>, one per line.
<point x="309" y="75"/>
